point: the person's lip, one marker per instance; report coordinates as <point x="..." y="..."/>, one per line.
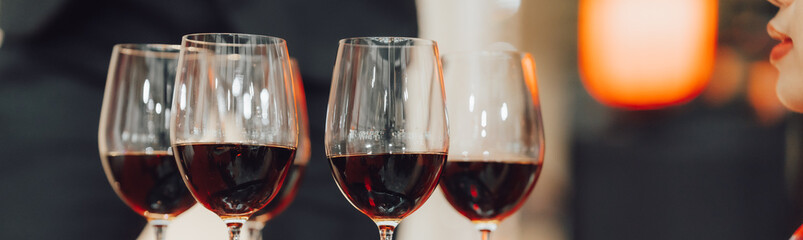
<point x="783" y="48"/>
<point x="780" y="50"/>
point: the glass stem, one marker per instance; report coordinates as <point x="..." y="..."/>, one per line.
<point x="159" y="227"/>
<point x="386" y="229"/>
<point x="234" y="228"/>
<point x="486" y="234"/>
<point x="386" y="232"/>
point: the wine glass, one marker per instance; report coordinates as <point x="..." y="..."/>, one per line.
<point x="497" y="146"/>
<point x="290" y="186"/>
<point x="386" y="126"/>
<point x="234" y="129"/>
<point x="133" y="136"/>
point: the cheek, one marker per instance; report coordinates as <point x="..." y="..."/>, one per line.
<point x="790" y="79"/>
<point x="790" y="88"/>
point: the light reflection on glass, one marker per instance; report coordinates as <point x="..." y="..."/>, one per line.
<point x="247" y="106"/>
<point x="385" y="102"/>
<point x="503" y="111"/>
<point x="373" y="77"/>
<point x="182" y="100"/>
<point x="483" y="118"/>
<point x="471" y="103"/>
<point x="146" y="91"/>
<point x="263" y="99"/>
<point x="237" y="85"/>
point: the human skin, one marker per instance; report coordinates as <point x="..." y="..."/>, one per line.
<point x="787" y="27"/>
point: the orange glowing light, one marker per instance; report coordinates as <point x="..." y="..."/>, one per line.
<point x="727" y="78"/>
<point x="646" y="54"/>
<point x="761" y="93"/>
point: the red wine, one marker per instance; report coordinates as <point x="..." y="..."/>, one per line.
<point x="387" y="186"/>
<point x="488" y="191"/>
<point x="233" y="180"/>
<point x="149" y="183"/>
<point x="285" y="196"/>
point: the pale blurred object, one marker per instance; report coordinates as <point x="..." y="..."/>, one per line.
<point x="504" y="9"/>
<point x="646" y="54"/>
<point x="197" y="223"/>
<point x="470" y="24"/>
<point x="501" y="46"/>
<point x="762" y="95"/>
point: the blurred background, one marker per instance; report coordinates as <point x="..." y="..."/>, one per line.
<point x="661" y="117"/>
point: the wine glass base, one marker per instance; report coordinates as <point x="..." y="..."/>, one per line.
<point x="391" y="223"/>
<point x="485" y="226"/>
<point x="158" y="222"/>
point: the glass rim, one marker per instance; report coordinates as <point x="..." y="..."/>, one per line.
<point x="518" y="54"/>
<point x="362" y="153"/>
<point x="148" y="49"/>
<point x="192" y="38"/>
<point x="362" y="41"/>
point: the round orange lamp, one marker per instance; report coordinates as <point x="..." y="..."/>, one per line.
<point x="640" y="54"/>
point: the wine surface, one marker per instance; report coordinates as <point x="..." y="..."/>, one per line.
<point x="285" y="196"/>
<point x="233" y="180"/>
<point x="387" y="186"/>
<point x="488" y="191"/>
<point x="149" y="183"/>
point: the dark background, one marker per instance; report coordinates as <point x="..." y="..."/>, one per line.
<point x="53" y="66"/>
<point x="702" y="170"/>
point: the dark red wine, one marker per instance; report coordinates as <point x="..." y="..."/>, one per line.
<point x="387" y="186"/>
<point x="285" y="196"/>
<point x="149" y="183"/>
<point x="488" y="191"/>
<point x="233" y="180"/>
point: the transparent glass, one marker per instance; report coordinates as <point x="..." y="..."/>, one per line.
<point x="291" y="183"/>
<point x="234" y="130"/>
<point x="386" y="126"/>
<point x="497" y="140"/>
<point x="133" y="134"/>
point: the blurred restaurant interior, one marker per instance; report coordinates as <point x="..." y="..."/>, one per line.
<point x="661" y="117"/>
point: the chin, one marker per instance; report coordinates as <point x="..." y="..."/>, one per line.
<point x="790" y="91"/>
